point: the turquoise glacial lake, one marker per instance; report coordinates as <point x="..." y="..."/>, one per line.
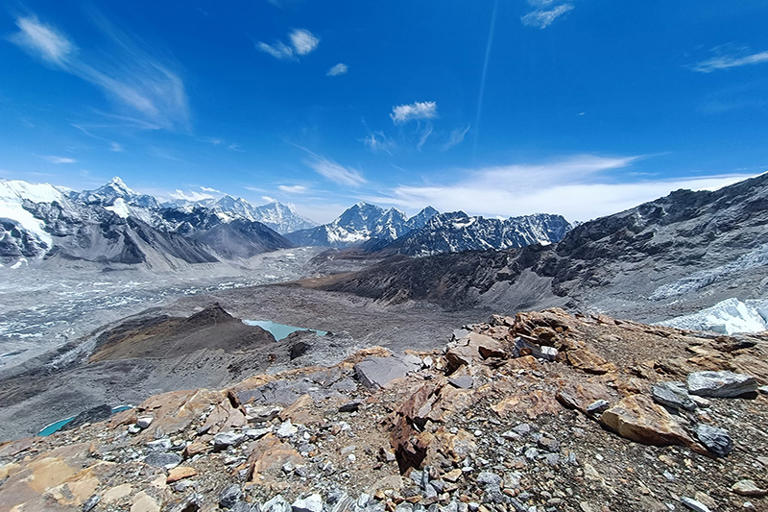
<point x="58" y="425"/>
<point x="281" y="331"/>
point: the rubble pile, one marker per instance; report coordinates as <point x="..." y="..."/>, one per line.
<point x="542" y="411"/>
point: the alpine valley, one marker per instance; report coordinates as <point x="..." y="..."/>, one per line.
<point x="218" y="355"/>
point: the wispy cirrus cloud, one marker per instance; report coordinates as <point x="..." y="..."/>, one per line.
<point x="136" y="81"/>
<point x="59" y="159"/>
<point x="456" y="137"/>
<point x="545" y="14"/>
<point x="293" y="189"/>
<point x="333" y="171"/>
<point x="379" y="142"/>
<point x="730" y="56"/>
<point x="301" y="42"/>
<point x="338" y="69"/>
<point x="412" y="111"/>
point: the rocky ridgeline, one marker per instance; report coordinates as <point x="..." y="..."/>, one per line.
<point x="538" y="412"/>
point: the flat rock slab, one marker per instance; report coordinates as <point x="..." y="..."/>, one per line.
<point x="378" y="372"/>
<point x="637" y="418"/>
<point x="723" y="384"/>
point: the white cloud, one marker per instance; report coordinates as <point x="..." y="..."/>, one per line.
<point x="332" y="170"/>
<point x="59" y="159"/>
<point x="190" y="195"/>
<point x="116" y="147"/>
<point x="730" y="57"/>
<point x="42" y="40"/>
<point x="575" y="187"/>
<point x="336" y="172"/>
<point x="130" y="75"/>
<point x="417" y="110"/>
<point x="211" y="190"/>
<point x="302" y="42"/>
<point x="456" y="137"/>
<point x="378" y="141"/>
<point x="542" y="18"/>
<point x="338" y="69"/>
<point x="293" y="189"/>
<point x="268" y="199"/>
<point x="277" y="49"/>
<point x="424" y="136"/>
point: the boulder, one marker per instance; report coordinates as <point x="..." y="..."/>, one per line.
<point x="748" y="488"/>
<point x="379" y="372"/>
<point x="637" y="418"/>
<point x="167" y="460"/>
<point x="229" y="497"/>
<point x="694" y="505"/>
<point x="471" y="348"/>
<point x="716" y="440"/>
<point x="673" y="395"/>
<point x="722" y="384"/>
<point x="224" y="440"/>
<point x="312" y="503"/>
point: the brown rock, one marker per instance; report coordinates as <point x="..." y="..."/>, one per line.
<point x="533" y="403"/>
<point x="637" y="418"/>
<point x="267" y="457"/>
<point x="196" y="448"/>
<point x="143" y="502"/>
<point x="586" y="360"/>
<point x="472" y="348"/>
<point x="180" y="473"/>
<point x="453" y="475"/>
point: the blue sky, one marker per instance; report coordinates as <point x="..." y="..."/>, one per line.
<point x="506" y="107"/>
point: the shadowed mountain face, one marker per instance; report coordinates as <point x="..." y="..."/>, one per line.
<point x="169" y="337"/>
<point x="675" y="254"/>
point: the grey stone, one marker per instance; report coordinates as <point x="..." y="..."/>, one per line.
<point x="378" y="372"/>
<point x="261" y="413"/>
<point x="144" y="422"/>
<point x="312" y="503"/>
<point x="257" y="433"/>
<point x="723" y="384"/>
<point x="549" y="444"/>
<point x="229" y="497"/>
<point x="716" y="440"/>
<point x="287" y="429"/>
<point x="598" y="407"/>
<point x="672" y="395"/>
<point x="694" y="505"/>
<point x="91" y="502"/>
<point x="352" y="406"/>
<point x="164" y="444"/>
<point x="224" y="440"/>
<point x="462" y="381"/>
<point x="522" y="429"/>
<point x="748" y="488"/>
<point x="165" y="460"/>
<point x="486" y="478"/>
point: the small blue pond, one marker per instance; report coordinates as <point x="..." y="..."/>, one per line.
<point x="280" y="331"/>
<point x="56" y="426"/>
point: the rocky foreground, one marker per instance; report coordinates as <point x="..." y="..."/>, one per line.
<point x="538" y="412"/>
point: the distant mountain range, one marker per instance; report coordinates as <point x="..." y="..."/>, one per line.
<point x="113" y="224"/>
<point x="375" y="229"/>
<point x="672" y="256"/>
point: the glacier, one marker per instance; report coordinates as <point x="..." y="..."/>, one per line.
<point x="729" y="316"/>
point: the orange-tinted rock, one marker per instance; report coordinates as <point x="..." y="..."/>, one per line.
<point x="588" y="361"/>
<point x="180" y="473"/>
<point x="472" y="348"/>
<point x="533" y="404"/>
<point x="267" y="457"/>
<point x="637" y="418"/>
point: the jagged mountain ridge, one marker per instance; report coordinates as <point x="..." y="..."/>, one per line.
<point x="115" y="225"/>
<point x="358" y="224"/>
<point x="459" y="232"/>
<point x="673" y="255"/>
<point x="277" y="216"/>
